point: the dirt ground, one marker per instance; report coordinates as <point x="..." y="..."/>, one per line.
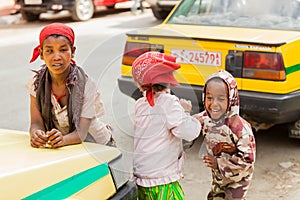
<point x="277" y="169"/>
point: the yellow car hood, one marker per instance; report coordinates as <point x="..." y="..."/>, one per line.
<point x="26" y="170"/>
<point x="258" y="36"/>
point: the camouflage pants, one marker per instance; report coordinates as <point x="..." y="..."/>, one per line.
<point x="231" y="191"/>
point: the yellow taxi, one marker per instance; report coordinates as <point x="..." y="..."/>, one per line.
<point x="258" y="42"/>
<point x="83" y="171"/>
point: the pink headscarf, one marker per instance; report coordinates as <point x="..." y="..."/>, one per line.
<point x="154" y="67"/>
<point x="54" y="28"/>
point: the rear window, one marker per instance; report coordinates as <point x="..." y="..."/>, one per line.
<point x="266" y="14"/>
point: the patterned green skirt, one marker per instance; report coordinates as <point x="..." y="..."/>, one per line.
<point x="171" y="191"/>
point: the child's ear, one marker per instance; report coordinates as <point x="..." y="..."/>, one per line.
<point x="73" y="51"/>
<point x="41" y="53"/>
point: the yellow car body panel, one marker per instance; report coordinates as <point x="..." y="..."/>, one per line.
<point x="28" y="172"/>
<point x="93" y="192"/>
<point x="221" y="40"/>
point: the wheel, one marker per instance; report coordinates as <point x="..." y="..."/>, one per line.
<point x="28" y="16"/>
<point x="83" y="10"/>
<point x="294" y="130"/>
<point x="159" y="14"/>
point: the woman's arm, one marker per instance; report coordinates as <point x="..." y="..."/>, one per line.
<point x="38" y="136"/>
<point x="57" y="139"/>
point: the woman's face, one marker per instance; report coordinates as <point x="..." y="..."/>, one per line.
<point x="216" y="98"/>
<point x="57" y="54"/>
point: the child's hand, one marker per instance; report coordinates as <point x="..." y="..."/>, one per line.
<point x="223" y="147"/>
<point x="210" y="161"/>
<point x="38" y="138"/>
<point x="55" y="138"/>
<point x="186" y="104"/>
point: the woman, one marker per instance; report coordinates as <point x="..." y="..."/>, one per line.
<point x="65" y="104"/>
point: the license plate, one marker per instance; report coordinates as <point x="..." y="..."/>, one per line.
<point x="197" y="57"/>
<point x="33" y="2"/>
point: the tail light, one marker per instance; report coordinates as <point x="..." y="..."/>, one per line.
<point x="261" y="65"/>
<point x="255" y="65"/>
<point x="135" y="49"/>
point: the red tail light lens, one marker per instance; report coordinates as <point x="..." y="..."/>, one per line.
<point x="135" y="49"/>
<point x="260" y="65"/>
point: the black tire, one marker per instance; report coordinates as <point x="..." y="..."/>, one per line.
<point x="159" y="14"/>
<point x="83" y="10"/>
<point x="30" y="17"/>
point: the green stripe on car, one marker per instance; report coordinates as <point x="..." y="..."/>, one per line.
<point x="292" y="69"/>
<point x="72" y="185"/>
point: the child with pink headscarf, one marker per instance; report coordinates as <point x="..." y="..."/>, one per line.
<point x="161" y="123"/>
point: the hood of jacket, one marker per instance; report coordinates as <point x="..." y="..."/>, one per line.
<point x="233" y="97"/>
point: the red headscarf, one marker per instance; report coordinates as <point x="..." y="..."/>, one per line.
<point x="54" y="28"/>
<point x="154" y="67"/>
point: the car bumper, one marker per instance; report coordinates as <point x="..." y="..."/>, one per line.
<point x="259" y="107"/>
<point x="162" y="4"/>
<point x="128" y="87"/>
<point x="270" y="108"/>
<point x="41" y="8"/>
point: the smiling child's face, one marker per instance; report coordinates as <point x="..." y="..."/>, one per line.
<point x="216" y="98"/>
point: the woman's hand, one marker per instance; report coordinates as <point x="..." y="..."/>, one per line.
<point x="210" y="161"/>
<point x="55" y="138"/>
<point x="38" y="138"/>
